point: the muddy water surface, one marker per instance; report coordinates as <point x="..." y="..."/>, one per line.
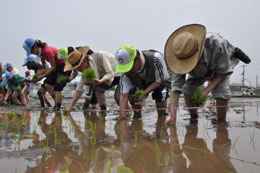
<point x="43" y="141"/>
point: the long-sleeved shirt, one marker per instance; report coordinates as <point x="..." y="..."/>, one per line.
<point x="216" y="59"/>
<point x="104" y="64"/>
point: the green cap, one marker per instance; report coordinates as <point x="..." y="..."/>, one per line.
<point x="125" y="57"/>
<point x="63" y="53"/>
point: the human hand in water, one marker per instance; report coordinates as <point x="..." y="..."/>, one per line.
<point x="67" y="111"/>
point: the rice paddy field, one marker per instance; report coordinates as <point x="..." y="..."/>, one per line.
<point x="38" y="140"/>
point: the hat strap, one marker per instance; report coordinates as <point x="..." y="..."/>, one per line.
<point x="77" y="63"/>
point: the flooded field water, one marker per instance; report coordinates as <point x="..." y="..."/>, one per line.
<point x="43" y="141"/>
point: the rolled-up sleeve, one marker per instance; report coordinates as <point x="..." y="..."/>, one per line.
<point x="221" y="52"/>
<point x="177" y="82"/>
<point x="109" y="74"/>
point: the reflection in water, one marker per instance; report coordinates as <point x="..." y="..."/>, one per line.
<point x="201" y="158"/>
<point x="82" y="143"/>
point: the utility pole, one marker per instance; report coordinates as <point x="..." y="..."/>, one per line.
<point x="256" y="81"/>
<point x="243" y="78"/>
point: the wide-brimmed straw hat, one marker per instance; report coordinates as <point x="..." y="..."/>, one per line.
<point x="184" y="48"/>
<point x="76" y="58"/>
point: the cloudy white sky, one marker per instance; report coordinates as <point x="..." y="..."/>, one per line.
<point x="108" y="24"/>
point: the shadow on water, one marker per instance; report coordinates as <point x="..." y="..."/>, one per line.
<point x="91" y="142"/>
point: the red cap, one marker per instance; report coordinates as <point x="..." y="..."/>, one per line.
<point x="27" y="72"/>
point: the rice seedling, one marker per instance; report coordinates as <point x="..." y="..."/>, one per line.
<point x="35" y="77"/>
<point x="205" y="152"/>
<point x="161" y="132"/>
<point x="18" y="138"/>
<point x="55" y="137"/>
<point x="135" y="135"/>
<point x="124" y="169"/>
<point x="6" y="123"/>
<point x="117" y="128"/>
<point x="252" y="139"/>
<point x="92" y="134"/>
<point x="109" y="165"/>
<point x="234" y="146"/>
<point x="138" y="93"/>
<point x="47" y="146"/>
<point x="19" y="89"/>
<point x="61" y="79"/>
<point x="197" y="99"/>
<point x="89" y="75"/>
<point x="160" y="158"/>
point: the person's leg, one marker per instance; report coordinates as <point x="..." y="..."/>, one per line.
<point x="101" y="101"/>
<point x="222" y="95"/>
<point x="27" y="96"/>
<point x="23" y="99"/>
<point x="93" y="99"/>
<point x="137" y="111"/>
<point x="58" y="100"/>
<point x="161" y="108"/>
<point x="191" y="108"/>
<point x="15" y="99"/>
<point x="50" y="90"/>
<point x="40" y="95"/>
<point x="222" y="106"/>
<point x="101" y="98"/>
<point x="160" y="95"/>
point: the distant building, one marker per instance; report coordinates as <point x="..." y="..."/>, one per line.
<point x="237" y="88"/>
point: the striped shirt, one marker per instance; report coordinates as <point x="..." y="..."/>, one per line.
<point x="161" y="73"/>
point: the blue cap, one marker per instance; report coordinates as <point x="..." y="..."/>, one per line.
<point x="8" y="76"/>
<point x="30" y="58"/>
<point x="28" y="44"/>
<point x="7" y="65"/>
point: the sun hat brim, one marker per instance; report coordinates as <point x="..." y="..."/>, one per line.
<point x="69" y="67"/>
<point x="183" y="66"/>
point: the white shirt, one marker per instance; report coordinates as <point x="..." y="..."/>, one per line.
<point x="160" y="68"/>
<point x="14" y="72"/>
<point x="104" y="64"/>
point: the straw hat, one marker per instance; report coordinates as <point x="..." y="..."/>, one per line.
<point x="184" y="48"/>
<point x="76" y="58"/>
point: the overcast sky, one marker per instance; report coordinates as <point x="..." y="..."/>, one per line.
<point x="108" y="24"/>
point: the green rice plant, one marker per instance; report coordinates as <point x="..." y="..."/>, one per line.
<point x="19" y="137"/>
<point x="160" y="158"/>
<point x="197" y="99"/>
<point x="47" y="146"/>
<point x="61" y="79"/>
<point x="138" y="93"/>
<point x="92" y="134"/>
<point x="252" y="137"/>
<point x="205" y="152"/>
<point x="124" y="169"/>
<point x="135" y="135"/>
<point x="55" y="137"/>
<point x="161" y="132"/>
<point x="89" y="75"/>
<point x="6" y="123"/>
<point x="234" y="145"/>
<point x="35" y="77"/>
<point x="109" y="165"/>
<point x="19" y="89"/>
